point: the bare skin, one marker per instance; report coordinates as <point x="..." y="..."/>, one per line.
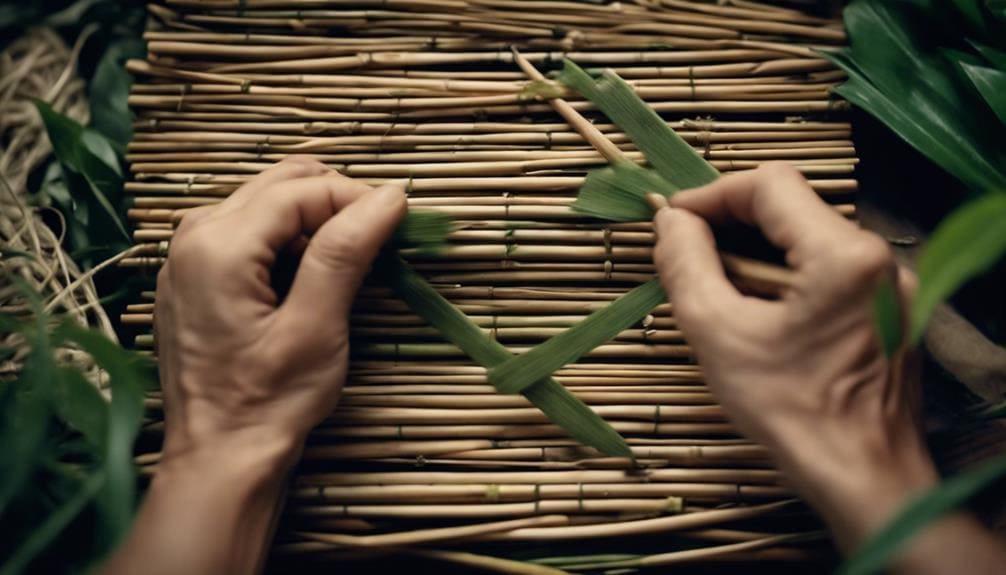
<point x="246" y="377"/>
<point x="805" y="375"/>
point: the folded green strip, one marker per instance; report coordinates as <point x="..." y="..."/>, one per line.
<point x="616" y="193"/>
<point x="561" y="406"/>
<point x="672" y="157"/>
<point x="517" y="374"/>
<point x="619" y="193"/>
<point x="423" y="230"/>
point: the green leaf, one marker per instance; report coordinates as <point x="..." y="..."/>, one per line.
<point x="872" y="557"/>
<point x="125" y="412"/>
<point x="619" y="193"/>
<point x="72" y="14"/>
<point x="53" y="524"/>
<point x="561" y="406"/>
<point x="541" y="361"/>
<point x="109" y="91"/>
<point x="102" y="149"/>
<point x="23" y="428"/>
<point x="991" y="84"/>
<point x="672" y="157"/>
<point x="995" y="57"/>
<point x="887" y="316"/>
<point x="966" y="243"/>
<point x="81" y="405"/>
<point x="907" y="84"/>
<point x="70" y="146"/>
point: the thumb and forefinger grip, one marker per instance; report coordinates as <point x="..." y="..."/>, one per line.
<point x="340" y="253"/>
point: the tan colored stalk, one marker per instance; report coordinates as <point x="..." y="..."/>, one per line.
<point x="437" y="535"/>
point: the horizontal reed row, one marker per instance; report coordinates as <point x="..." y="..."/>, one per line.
<point x="422" y="455"/>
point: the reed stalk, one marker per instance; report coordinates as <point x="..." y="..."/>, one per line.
<point x="423" y="450"/>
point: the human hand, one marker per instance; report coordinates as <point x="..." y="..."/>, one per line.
<point x="238" y="364"/>
<point x="804" y="374"/>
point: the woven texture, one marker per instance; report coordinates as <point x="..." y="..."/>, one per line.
<point x="428" y="90"/>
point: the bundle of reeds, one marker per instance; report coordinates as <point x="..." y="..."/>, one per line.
<point x="423" y="455"/>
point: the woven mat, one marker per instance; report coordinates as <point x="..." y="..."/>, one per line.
<point x="427" y="89"/>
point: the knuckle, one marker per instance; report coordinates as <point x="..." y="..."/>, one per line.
<point x="191" y="218"/>
<point x="778" y="168"/>
<point x="867" y="256"/>
<point x="194" y="246"/>
<point x="301" y="166"/>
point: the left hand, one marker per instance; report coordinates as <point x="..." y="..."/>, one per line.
<point x="235" y="360"/>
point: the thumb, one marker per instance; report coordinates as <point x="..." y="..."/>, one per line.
<point x="690" y="269"/>
<point x="340" y="253"/>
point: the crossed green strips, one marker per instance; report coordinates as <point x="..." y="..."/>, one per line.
<point x="617" y="193"/>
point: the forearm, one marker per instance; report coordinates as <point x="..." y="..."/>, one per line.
<point x="209" y="510"/>
<point x="859" y="493"/>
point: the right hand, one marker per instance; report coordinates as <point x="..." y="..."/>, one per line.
<point x="805" y="375"/>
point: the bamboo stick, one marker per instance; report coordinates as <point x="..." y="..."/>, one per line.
<point x="478" y="148"/>
<point x="733" y="476"/>
<point x="436" y="535"/>
<point x="681" y="522"/>
<point x="492" y="493"/>
<point x="520" y="432"/>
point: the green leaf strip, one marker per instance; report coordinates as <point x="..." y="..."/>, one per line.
<point x="673" y="158"/>
<point x="423" y="230"/>
<point x="517" y="374"/>
<point x="619" y="193"/>
<point x="872" y="557"/>
<point x="561" y="406"/>
<point x="966" y="243"/>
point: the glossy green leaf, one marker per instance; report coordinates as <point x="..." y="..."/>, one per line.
<point x="991" y="84"/>
<point x="887" y="316"/>
<point x="966" y="243"/>
<point x="541" y="361"/>
<point x="72" y="148"/>
<point x="883" y="546"/>
<point x="995" y="57"/>
<point x="561" y="406"/>
<point x="672" y="157"/>
<point x="909" y="85"/>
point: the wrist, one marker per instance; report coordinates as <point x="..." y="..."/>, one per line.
<point x="251" y="454"/>
<point x="856" y="477"/>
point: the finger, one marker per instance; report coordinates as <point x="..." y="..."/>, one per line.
<point x="776" y="198"/>
<point x="289" y="210"/>
<point x="690" y="268"/>
<point x="339" y="256"/>
<point x="289" y="168"/>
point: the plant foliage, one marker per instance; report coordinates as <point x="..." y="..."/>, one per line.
<point x="68" y="473"/>
<point x="929" y="70"/>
